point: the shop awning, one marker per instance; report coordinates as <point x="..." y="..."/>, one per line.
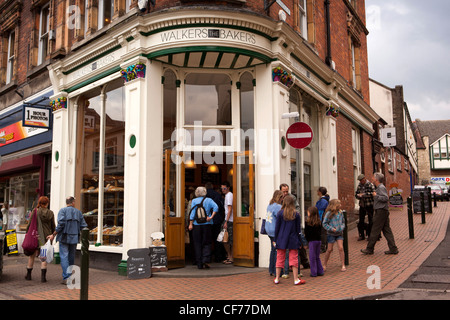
<point x="210" y="57"/>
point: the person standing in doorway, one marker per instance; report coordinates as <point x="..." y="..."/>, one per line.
<point x="202" y="230"/>
<point x="218" y="252"/>
<point x="70" y="223"/>
<point x="380" y="218"/>
<point x="364" y="193"/>
<point x="228" y="222"/>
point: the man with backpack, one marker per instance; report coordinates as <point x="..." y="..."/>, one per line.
<point x="201" y="217"/>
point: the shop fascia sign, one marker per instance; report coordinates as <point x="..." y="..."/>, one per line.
<point x="208" y="34"/>
<point x="93" y="66"/>
<point x="17" y="131"/>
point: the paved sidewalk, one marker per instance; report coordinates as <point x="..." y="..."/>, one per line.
<point x="247" y="283"/>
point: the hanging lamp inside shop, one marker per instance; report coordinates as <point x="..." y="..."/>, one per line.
<point x="190" y="164"/>
<point x="212" y="168"/>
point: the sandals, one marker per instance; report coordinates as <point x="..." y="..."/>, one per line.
<point x="227" y="261"/>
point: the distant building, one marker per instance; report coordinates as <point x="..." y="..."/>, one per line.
<point x="396" y="159"/>
<point x="433" y="151"/>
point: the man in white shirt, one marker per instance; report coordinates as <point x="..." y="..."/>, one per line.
<point x="228" y="223"/>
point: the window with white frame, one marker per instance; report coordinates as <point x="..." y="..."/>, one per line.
<point x="302" y="18"/>
<point x="44" y="24"/>
<point x="399" y="161"/>
<point x="105" y="12"/>
<point x="391" y="160"/>
<point x="406" y="164"/>
<point x="11" y="57"/>
<point x="356" y="148"/>
<point x="353" y="66"/>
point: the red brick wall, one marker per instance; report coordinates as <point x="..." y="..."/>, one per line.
<point x="346" y="179"/>
<point x="345" y="163"/>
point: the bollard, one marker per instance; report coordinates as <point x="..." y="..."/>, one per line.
<point x="434" y="199"/>
<point x="429" y="200"/>
<point x="346" y="238"/>
<point x="84" y="264"/>
<point x="410" y="218"/>
<point x="422" y="207"/>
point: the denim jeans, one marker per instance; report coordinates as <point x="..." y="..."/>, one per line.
<point x="273" y="257"/>
<point x="67" y="256"/>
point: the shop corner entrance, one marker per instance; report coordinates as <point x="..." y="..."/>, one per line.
<point x="183" y="173"/>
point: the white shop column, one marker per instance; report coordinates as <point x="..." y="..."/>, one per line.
<point x="271" y="101"/>
<point x="143" y="154"/>
<point x="62" y="157"/>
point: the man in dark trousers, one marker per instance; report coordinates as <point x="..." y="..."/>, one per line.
<point x="218" y="249"/>
<point x="364" y="193"/>
<point x="380" y="218"/>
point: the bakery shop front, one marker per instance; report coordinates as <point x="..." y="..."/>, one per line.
<point x="163" y="104"/>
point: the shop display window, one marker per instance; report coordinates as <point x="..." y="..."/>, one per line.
<point x="92" y="172"/>
<point x="20" y="193"/>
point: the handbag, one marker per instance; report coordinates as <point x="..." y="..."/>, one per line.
<point x="31" y="241"/>
<point x="263" y="227"/>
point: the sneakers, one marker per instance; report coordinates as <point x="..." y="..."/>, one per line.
<point x="299" y="281"/>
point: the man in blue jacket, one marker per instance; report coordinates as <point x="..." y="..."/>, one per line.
<point x="70" y="223"/>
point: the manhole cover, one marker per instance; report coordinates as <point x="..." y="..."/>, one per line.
<point x="433" y="278"/>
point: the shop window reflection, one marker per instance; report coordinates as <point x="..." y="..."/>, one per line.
<point x="113" y="164"/>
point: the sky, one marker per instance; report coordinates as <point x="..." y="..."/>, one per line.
<point x="409" y="45"/>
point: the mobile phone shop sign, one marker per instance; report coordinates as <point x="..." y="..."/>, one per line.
<point x="36" y="117"/>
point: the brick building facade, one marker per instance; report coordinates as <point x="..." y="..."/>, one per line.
<point x="272" y="58"/>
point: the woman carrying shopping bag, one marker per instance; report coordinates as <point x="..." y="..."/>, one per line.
<point x="45" y="226"/>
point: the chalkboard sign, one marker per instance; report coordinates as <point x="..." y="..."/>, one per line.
<point x="417" y="200"/>
<point x="158" y="257"/>
<point x="396" y="200"/>
<point x="138" y="264"/>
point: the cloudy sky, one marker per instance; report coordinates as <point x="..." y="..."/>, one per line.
<point x="409" y="45"/>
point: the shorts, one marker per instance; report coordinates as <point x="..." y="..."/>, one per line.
<point x="333" y="238"/>
<point x="230" y="232"/>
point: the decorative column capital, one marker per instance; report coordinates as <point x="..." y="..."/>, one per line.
<point x="58" y="101"/>
<point x="282" y="76"/>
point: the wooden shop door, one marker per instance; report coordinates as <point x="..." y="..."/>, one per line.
<point x="243" y="209"/>
<point x="174" y="209"/>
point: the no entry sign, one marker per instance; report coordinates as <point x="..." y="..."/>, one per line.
<point x="299" y="135"/>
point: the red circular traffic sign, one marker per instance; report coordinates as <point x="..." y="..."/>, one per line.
<point x="299" y="135"/>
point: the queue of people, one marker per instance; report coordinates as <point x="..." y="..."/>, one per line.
<point x="324" y="226"/>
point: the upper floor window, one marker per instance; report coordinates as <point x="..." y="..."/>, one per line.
<point x="11" y="57"/>
<point x="44" y="25"/>
<point x="208" y="99"/>
<point x="302" y="18"/>
<point x="105" y="12"/>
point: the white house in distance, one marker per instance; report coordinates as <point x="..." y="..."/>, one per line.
<point x="398" y="161"/>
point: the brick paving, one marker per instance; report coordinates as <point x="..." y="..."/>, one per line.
<point x="257" y="285"/>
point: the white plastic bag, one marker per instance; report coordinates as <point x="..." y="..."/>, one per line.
<point x="220" y="236"/>
<point x="46" y="252"/>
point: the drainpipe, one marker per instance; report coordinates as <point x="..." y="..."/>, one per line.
<point x="328" y="59"/>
